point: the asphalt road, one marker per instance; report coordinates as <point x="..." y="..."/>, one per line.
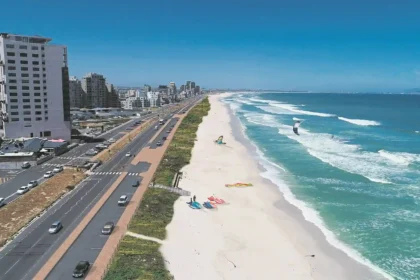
<point x="23" y="257"/>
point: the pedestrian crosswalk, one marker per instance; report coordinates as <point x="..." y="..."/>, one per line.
<point x="5" y="179"/>
<point x="114" y="173"/>
<point x="67" y="158"/>
<point x="50" y="164"/>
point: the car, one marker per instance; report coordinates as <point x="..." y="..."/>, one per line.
<point x="164" y="138"/>
<point x="33" y="184"/>
<point x="128" y="128"/>
<point x="128" y="154"/>
<point x="112" y="140"/>
<point x="91" y="152"/>
<point x="26" y="165"/>
<point x="48" y="174"/>
<point x="2" y="203"/>
<point x="123" y="200"/>
<point x="81" y="268"/>
<point x="108" y="228"/>
<point x="22" y="190"/>
<point x="55" y="227"/>
<point x="58" y="169"/>
<point x="158" y="143"/>
<point x="135" y="184"/>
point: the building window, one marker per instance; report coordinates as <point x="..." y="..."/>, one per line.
<point x="46" y="112"/>
<point x="35" y="62"/>
<point x="42" y="48"/>
<point x="25" y="94"/>
<point x="35" y="55"/>
<point x="12" y="74"/>
<point x="46" y="106"/>
<point x="26" y="112"/>
<point x="24" y="68"/>
<point x="47" y="133"/>
<point x="43" y="69"/>
<point x="14" y="113"/>
<point x="15" y="119"/>
<point x="37" y="100"/>
<point x="37" y="82"/>
<point x="25" y="81"/>
<point x="43" y="62"/>
<point x="23" y="62"/>
<point x="35" y="69"/>
<point x="26" y="106"/>
<point x="10" y="54"/>
<point x="25" y="87"/>
<point x="11" y="68"/>
<point x="38" y="113"/>
<point x="37" y="94"/>
<point x="12" y="81"/>
<point x="44" y="81"/>
<point x="23" y="55"/>
<point x="11" y="61"/>
<point x="13" y="93"/>
<point x="28" y="120"/>
<point x="22" y="47"/>
<point x="13" y="101"/>
<point x="37" y="88"/>
<point x="24" y="75"/>
<point x="44" y="75"/>
<point x="36" y="75"/>
<point x="10" y="46"/>
<point x="39" y="119"/>
<point x="45" y="94"/>
<point x="45" y="87"/>
<point x="34" y="48"/>
<point x="45" y="100"/>
<point x="26" y="100"/>
<point x="14" y="107"/>
<point x="46" y="118"/>
<point x="12" y="87"/>
<point x="37" y="106"/>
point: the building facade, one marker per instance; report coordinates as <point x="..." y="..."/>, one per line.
<point x="112" y="98"/>
<point x="94" y="86"/>
<point x="34" y="88"/>
<point x="77" y="95"/>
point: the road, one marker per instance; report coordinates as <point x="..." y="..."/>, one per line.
<point x="23" y="257"/>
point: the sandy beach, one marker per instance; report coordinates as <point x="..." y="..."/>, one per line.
<point x="257" y="234"/>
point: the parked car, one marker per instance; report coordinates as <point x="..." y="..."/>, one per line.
<point x="2" y="203"/>
<point x="58" y="169"/>
<point x="123" y="200"/>
<point x="112" y="140"/>
<point x="164" y="138"/>
<point x="26" y="165"/>
<point x="135" y="184"/>
<point x="55" y="227"/>
<point x="108" y="228"/>
<point x="128" y="154"/>
<point x="33" y="184"/>
<point x="81" y="268"/>
<point x="22" y="190"/>
<point x="91" y="152"/>
<point x="158" y="143"/>
<point x="48" y="174"/>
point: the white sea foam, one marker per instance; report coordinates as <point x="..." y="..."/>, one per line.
<point x="400" y="158"/>
<point x="295" y="109"/>
<point x="274" y="110"/>
<point x="360" y="122"/>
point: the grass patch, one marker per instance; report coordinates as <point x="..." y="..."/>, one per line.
<point x="138" y="259"/>
<point x="17" y="214"/>
<point x="121" y="143"/>
<point x="141" y="259"/>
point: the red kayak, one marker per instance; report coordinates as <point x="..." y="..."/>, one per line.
<point x="216" y="200"/>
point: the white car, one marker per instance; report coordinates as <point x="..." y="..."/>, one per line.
<point x="48" y="174"/>
<point x="2" y="203"/>
<point x="22" y="190"/>
<point x="123" y="200"/>
<point x="57" y="169"/>
<point x="32" y="184"/>
<point x="128" y="154"/>
<point x="112" y="140"/>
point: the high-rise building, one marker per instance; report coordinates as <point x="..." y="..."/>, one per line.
<point x="197" y="90"/>
<point x="172" y="88"/>
<point x="192" y="86"/>
<point x="34" y="88"/>
<point x="187" y="85"/>
<point x="147" y="88"/>
<point x="182" y="88"/>
<point x="77" y="96"/>
<point x="94" y="85"/>
<point x="112" y="97"/>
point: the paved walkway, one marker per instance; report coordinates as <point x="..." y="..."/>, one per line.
<point x="141" y="236"/>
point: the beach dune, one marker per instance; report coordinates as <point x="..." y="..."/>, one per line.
<point x="253" y="235"/>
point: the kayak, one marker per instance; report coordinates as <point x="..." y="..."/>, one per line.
<point x="196" y="205"/>
<point x="208" y="205"/>
<point x="219" y="201"/>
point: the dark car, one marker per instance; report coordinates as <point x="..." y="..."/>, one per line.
<point x="164" y="138"/>
<point x="135" y="184"/>
<point x="81" y="268"/>
<point x="108" y="228"/>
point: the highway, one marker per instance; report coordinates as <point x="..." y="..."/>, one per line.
<point x="23" y="257"/>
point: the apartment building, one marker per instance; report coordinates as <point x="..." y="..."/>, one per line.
<point x="34" y="88"/>
<point x="94" y="85"/>
<point x="77" y="95"/>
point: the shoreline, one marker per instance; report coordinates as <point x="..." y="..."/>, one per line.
<point x="275" y="239"/>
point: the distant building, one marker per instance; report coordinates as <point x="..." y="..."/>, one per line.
<point x="153" y="99"/>
<point x="147" y="89"/>
<point x="112" y="99"/>
<point x="187" y="85"/>
<point x="197" y="90"/>
<point x="192" y="86"/>
<point x="94" y="85"/>
<point x="34" y="88"/>
<point x="133" y="103"/>
<point x="182" y="88"/>
<point x="172" y="89"/>
<point x="77" y="95"/>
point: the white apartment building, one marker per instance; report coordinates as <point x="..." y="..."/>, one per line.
<point x="153" y="98"/>
<point x="94" y="85"/>
<point x="34" y="88"/>
<point x="133" y="103"/>
<point x="77" y="96"/>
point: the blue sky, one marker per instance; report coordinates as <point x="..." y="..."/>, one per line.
<point x="328" y="45"/>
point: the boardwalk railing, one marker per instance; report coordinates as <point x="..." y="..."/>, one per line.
<point x="171" y="189"/>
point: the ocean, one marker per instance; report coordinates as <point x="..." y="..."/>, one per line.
<point x="354" y="170"/>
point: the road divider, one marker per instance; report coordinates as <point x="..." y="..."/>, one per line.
<point x="21" y="211"/>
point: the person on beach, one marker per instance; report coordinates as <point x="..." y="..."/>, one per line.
<point x="194" y="198"/>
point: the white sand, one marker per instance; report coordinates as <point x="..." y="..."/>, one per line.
<point x="250" y="237"/>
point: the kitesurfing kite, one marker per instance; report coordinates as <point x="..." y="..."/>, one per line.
<point x="296" y="125"/>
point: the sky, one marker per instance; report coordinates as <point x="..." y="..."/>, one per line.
<point x="316" y="45"/>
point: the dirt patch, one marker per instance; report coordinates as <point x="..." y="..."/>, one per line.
<point x="17" y="214"/>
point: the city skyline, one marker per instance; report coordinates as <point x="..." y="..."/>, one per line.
<point x="330" y="46"/>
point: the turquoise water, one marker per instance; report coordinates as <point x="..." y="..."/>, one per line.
<point x="356" y="163"/>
